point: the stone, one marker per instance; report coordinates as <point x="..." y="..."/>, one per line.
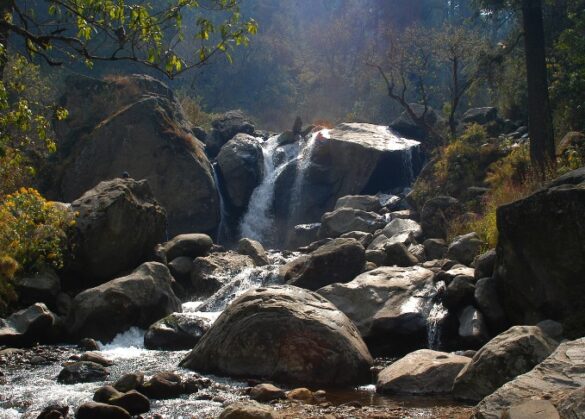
<point x="435" y="213"/>
<point x="487" y="300"/>
<point x="97" y="358"/>
<point x="422" y="372"/>
<point x="572" y="405"/>
<point x="132" y="401"/>
<point x="304" y="234"/>
<point x="465" y="248"/>
<point x="225" y="127"/>
<point x="54" y="411"/>
<point x="241" y="165"/>
<point x="399" y="225"/>
<point x="82" y="372"/>
<point x="484" y="264"/>
<point x="178" y="331"/>
<point x="368" y="203"/>
<point x="376" y="256"/>
<point x="480" y="116"/>
<point x="554" y="378"/>
<point x="345" y="220"/>
<point x="508" y="355"/>
<point x="249" y="410"/>
<point x="30" y="325"/>
<point x="552" y="329"/>
<point x="405" y="126"/>
<point x="191" y="245"/>
<point x="212" y="272"/>
<point x="460" y="293"/>
<point x="255" y="250"/>
<point x="435" y="248"/>
<point x="93" y="410"/>
<point x="164" y="385"/>
<point x="134" y="124"/>
<point x="301" y="394"/>
<point x="291" y="336"/>
<point x="340" y="260"/>
<point x="472" y="327"/>
<point x="127" y="382"/>
<point x="532" y="409"/>
<point x="119" y="222"/>
<point x="265" y="393"/>
<point x="398" y="255"/>
<point x="43" y="287"/>
<point x="541" y="255"/>
<point x="139" y="299"/>
<point x="181" y="268"/>
<point x="389" y="306"/>
<point x="364" y="238"/>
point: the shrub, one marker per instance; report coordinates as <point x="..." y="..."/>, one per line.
<point x="33" y="233"/>
<point x="195" y="113"/>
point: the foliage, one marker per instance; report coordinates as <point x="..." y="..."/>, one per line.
<point x="33" y="235"/>
<point x="146" y="32"/>
<point x="25" y="122"/>
<point x="195" y="113"/>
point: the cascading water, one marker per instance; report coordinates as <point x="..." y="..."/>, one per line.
<point x="435" y="319"/>
<point x="258" y="222"/>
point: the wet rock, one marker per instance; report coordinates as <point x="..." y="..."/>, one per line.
<point x="54" y="411"/>
<point x="25" y="327"/>
<point x="97" y="358"/>
<point x="181" y="268"/>
<point x="264" y="393"/>
<point x="139" y="299"/>
<point x="508" y="355"/>
<point x="176" y="332"/>
<point x="164" y="385"/>
<point x="285" y="340"/>
<point x="389" y="306"/>
<point x="465" y="248"/>
<point x="93" y="410"/>
<point x="214" y="271"/>
<point x="132" y="401"/>
<point x="40" y="288"/>
<point x="301" y="394"/>
<point x="241" y="164"/>
<point x="255" y="250"/>
<point x="135" y="124"/>
<point x="541" y="255"/>
<point x="120" y="211"/>
<point x="340" y="260"/>
<point x="191" y="245"/>
<point x="88" y="344"/>
<point x="435" y="248"/>
<point x="368" y="203"/>
<point x="249" y="410"/>
<point x="421" y="372"/>
<point x="129" y="382"/>
<point x="553" y="379"/>
<point x="345" y="220"/>
<point x="82" y="372"/>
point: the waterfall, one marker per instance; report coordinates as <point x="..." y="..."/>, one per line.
<point x="258" y="221"/>
<point x="221" y="232"/>
<point x="434" y="323"/>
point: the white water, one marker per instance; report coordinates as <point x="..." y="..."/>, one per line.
<point x="434" y="323"/>
<point x="258" y="222"/>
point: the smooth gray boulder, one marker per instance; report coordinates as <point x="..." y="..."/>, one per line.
<point x="139" y="299"/>
<point x="368" y="203"/>
<point x="465" y="248"/>
<point x="421" y="372"/>
<point x="176" y="332"/>
<point x="25" y="327"/>
<point x="508" y="355"/>
<point x="191" y="245"/>
<point x="345" y="220"/>
<point x="285" y="334"/>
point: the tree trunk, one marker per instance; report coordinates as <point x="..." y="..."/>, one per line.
<point x="542" y="145"/>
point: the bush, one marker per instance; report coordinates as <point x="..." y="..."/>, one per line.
<point x="195" y="113"/>
<point x="33" y="233"/>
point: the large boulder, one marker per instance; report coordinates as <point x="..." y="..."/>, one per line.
<point x="330" y="171"/>
<point x="212" y="272"/>
<point x="389" y="306"/>
<point x="30" y="325"/>
<point x="480" y="116"/>
<point x="465" y="248"/>
<point x="541" y="255"/>
<point x="340" y="260"/>
<point x="117" y="227"/>
<point x="508" y="355"/>
<point x="139" y="299"/>
<point x="436" y="213"/>
<point x="225" y="128"/>
<point x="176" y="332"/>
<point x="43" y="287"/>
<point x="186" y="245"/>
<point x="241" y="164"/>
<point x="284" y="334"/>
<point x="134" y="124"/>
<point x="345" y="220"/>
<point x="421" y="372"/>
<point x="369" y="203"/>
<point x="553" y="379"/>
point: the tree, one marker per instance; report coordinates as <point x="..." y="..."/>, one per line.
<point x="542" y="143"/>
<point x="146" y="32"/>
